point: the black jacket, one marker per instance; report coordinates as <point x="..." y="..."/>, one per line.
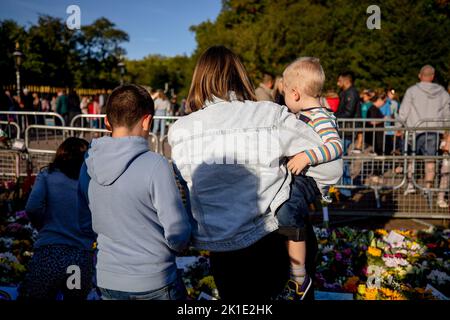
<point x="348" y="104"/>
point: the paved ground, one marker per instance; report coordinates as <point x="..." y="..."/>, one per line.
<point x="387" y="223"/>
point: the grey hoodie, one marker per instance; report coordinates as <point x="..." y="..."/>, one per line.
<point x="137" y="214"/>
<point x="424" y="100"/>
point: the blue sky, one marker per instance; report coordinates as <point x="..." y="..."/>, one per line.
<point x="154" y="26"/>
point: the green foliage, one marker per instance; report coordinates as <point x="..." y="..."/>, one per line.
<point x="266" y="34"/>
<point x="270" y="34"/>
<point x="57" y="56"/>
<point x="155" y="71"/>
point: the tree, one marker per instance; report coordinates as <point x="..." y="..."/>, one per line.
<point x="270" y="34"/>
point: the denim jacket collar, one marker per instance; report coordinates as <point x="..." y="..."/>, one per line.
<point x="215" y="100"/>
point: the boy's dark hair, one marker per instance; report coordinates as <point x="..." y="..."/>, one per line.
<point x="348" y="75"/>
<point x="69" y="157"/>
<point x="127" y="104"/>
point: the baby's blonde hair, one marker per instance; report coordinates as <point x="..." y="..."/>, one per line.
<point x="307" y="75"/>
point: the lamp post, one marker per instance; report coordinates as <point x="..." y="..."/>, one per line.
<point x="18" y="56"/>
<point x="121" y="66"/>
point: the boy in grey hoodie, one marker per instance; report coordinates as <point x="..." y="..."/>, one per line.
<point x="135" y="204"/>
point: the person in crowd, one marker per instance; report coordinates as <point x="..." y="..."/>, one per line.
<point x="27" y="100"/>
<point x="349" y="104"/>
<point x="424" y="100"/>
<point x="84" y="105"/>
<point x="264" y="90"/>
<point x="174" y="106"/>
<point x="73" y="102"/>
<point x="277" y="94"/>
<point x="37" y="107"/>
<point x="303" y="81"/>
<point x="154" y="93"/>
<point x="183" y="110"/>
<point x="162" y="107"/>
<point x="393" y="101"/>
<point x="94" y="108"/>
<point x="53" y="103"/>
<point x="46" y="104"/>
<point x="366" y="97"/>
<point x="62" y="106"/>
<point x="63" y="241"/>
<point x="348" y="98"/>
<point x="136" y="208"/>
<point x="233" y="198"/>
<point x="366" y="104"/>
<point x="380" y="141"/>
<point x="332" y="99"/>
<point x="444" y="184"/>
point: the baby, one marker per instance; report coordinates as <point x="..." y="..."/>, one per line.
<point x="302" y="85"/>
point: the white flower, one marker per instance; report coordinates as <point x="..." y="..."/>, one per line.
<point x="327" y="249"/>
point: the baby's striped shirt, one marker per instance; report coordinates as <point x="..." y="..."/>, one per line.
<point x="324" y="123"/>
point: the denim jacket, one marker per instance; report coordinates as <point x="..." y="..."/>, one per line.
<point x="232" y="155"/>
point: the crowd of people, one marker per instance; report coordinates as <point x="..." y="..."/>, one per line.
<point x="373" y="108"/>
<point x="252" y="217"/>
<point x="69" y="104"/>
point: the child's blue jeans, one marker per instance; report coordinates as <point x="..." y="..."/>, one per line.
<point x="294" y="212"/>
<point x="173" y="291"/>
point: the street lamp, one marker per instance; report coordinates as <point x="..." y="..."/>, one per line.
<point x="121" y="66"/>
<point x="18" y="56"/>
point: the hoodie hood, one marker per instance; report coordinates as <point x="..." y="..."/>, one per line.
<point x="432" y="90"/>
<point x="108" y="158"/>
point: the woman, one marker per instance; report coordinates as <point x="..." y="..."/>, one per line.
<point x="64" y="239"/>
<point x="229" y="153"/>
<point x="162" y="107"/>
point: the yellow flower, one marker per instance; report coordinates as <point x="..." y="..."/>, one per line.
<point x="371" y="294"/>
<point x="362" y="289"/>
<point x="381" y="232"/>
<point x="374" y="251"/>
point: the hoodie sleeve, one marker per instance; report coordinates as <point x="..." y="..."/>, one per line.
<point x="446" y="105"/>
<point x="36" y="204"/>
<point x="405" y="107"/>
<point x="169" y="207"/>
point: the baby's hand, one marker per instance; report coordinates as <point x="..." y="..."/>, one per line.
<point x="298" y="163"/>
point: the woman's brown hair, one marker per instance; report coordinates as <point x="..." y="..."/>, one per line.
<point x="69" y="157"/>
<point x="219" y="71"/>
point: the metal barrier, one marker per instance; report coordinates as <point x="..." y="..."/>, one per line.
<point x="9" y="165"/>
<point x="379" y="166"/>
<point x="41" y="142"/>
<point x="26" y="118"/>
<point x="381" y="171"/>
<point x="10" y="133"/>
<point x="98" y="121"/>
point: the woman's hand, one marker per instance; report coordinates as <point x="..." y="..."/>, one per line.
<point x="298" y="163"/>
